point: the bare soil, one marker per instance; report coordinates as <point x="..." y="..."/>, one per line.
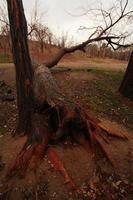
<point x="97" y="63"/>
<point x="93" y="174"/>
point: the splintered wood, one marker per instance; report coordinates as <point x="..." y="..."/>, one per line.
<point x="55" y="118"/>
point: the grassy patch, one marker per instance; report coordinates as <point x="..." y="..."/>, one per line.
<point x="114" y="75"/>
<point x="104" y="99"/>
<point x="117" y="76"/>
<point x="98" y="72"/>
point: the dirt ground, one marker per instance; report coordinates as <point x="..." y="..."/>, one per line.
<point x="97" y="63"/>
<point x="93" y="175"/>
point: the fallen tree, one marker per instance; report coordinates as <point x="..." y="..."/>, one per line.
<point x="45" y="113"/>
<point x="55" y="117"/>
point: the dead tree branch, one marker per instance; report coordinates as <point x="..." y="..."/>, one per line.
<point x="104" y="32"/>
<point x="63" y="51"/>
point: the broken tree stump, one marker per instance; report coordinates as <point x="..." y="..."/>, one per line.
<point x="55" y="116"/>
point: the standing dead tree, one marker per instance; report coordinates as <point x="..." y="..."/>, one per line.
<point x="24" y="70"/>
<point x="45" y="113"/>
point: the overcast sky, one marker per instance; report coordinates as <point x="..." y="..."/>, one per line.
<point x="56" y="14"/>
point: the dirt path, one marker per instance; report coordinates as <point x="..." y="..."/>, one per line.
<point x="95" y="63"/>
<point x="85" y="63"/>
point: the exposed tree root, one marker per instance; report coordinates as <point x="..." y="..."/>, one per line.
<point x="58" y="165"/>
<point x="21" y="163"/>
<point x="105" y="150"/>
<point x="113" y="134"/>
<point x="75" y="123"/>
<point x="30" y="155"/>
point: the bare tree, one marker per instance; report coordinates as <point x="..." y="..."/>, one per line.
<point x="106" y="32"/>
<point x="4" y="30"/>
<point x="43" y="35"/>
<point x="6" y="39"/>
<point x="3" y="15"/>
<point x="36" y="30"/>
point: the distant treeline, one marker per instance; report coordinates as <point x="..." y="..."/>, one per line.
<point x="100" y="50"/>
<point x="103" y="51"/>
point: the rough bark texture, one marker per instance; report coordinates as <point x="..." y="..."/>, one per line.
<point x="24" y="71"/>
<point x="126" y="88"/>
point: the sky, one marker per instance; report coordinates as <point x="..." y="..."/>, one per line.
<point x="66" y="16"/>
<point x="58" y="15"/>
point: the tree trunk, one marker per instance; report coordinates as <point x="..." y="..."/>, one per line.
<point x="24" y="71"/>
<point x="126" y="87"/>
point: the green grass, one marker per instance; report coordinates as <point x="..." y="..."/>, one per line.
<point x="114" y="75"/>
<point x="117" y="76"/>
<point x="99" y="72"/>
<point x="104" y="99"/>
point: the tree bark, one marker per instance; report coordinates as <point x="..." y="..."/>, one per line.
<point x="24" y="71"/>
<point x="126" y="87"/>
